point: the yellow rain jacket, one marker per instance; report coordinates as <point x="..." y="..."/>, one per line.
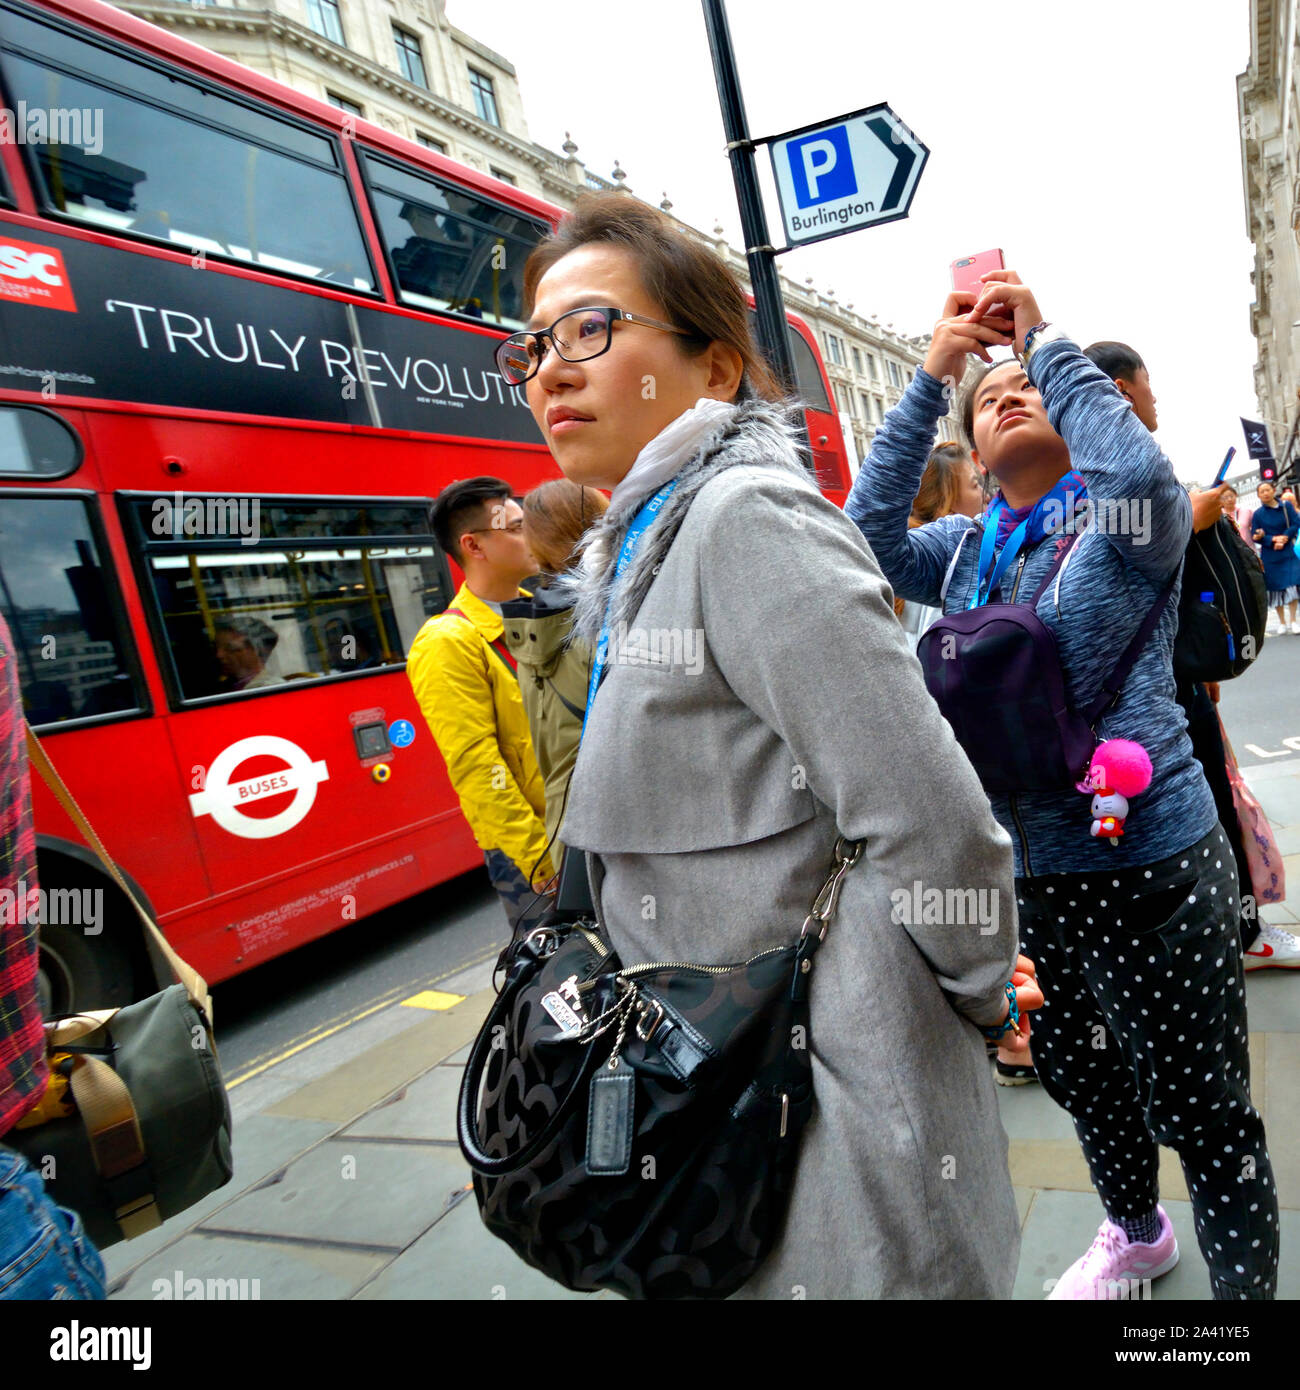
<point x="470" y="698"/>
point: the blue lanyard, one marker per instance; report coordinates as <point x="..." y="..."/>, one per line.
<point x="1009" y="552"/>
<point x="641" y="523"/>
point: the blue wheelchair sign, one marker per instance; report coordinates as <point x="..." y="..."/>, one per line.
<point x="401" y="733"/>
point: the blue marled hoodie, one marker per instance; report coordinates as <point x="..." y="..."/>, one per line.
<point x="1104" y="590"/>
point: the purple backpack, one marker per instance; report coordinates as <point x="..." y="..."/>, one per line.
<point x="996" y="676"/>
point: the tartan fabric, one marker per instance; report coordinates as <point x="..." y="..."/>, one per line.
<point x="23" y="1073"/>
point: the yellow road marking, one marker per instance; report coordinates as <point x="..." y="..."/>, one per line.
<point x="432" y="999"/>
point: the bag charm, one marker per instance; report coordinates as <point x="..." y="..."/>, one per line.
<point x="1120" y="769"/>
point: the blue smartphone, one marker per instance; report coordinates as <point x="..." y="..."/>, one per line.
<point x="1223" y="468"/>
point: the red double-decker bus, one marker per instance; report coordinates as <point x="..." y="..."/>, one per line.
<point x="244" y="340"/>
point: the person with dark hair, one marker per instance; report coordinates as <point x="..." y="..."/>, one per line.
<point x="1274" y="527"/>
<point x="1133" y="922"/>
<point x="748" y="661"/>
<point x="1276" y="947"/>
<point x="44" y="1251"/>
<point x="553" y="669"/>
<point x="465" y="681"/>
<point x="242" y="645"/>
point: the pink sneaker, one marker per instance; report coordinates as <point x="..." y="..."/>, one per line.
<point x="1116" y="1267"/>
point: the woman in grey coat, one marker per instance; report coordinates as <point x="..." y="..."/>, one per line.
<point x="760" y="699"/>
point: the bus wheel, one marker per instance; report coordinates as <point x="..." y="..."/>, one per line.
<point x="77" y="971"/>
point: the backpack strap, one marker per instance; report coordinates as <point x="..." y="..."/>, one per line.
<point x="1051" y="573"/>
<point x="1111" y="687"/>
<point x="498" y="646"/>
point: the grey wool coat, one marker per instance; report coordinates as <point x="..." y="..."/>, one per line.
<point x="761" y="697"/>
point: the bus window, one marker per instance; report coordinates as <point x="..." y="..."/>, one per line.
<point x="55" y="592"/>
<point x="324" y="589"/>
<point x="36" y="444"/>
<point x="164" y="157"/>
<point x="449" y="249"/>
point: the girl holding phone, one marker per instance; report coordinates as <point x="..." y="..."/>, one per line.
<point x="1142" y="1037"/>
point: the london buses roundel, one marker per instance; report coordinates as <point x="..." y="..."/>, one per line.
<point x="224" y="800"/>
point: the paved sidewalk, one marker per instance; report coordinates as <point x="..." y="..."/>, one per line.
<point x="351" y="1184"/>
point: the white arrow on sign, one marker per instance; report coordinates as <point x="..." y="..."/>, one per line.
<point x="842" y="175"/>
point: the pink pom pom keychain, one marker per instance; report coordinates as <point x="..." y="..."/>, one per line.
<point x="1120" y="769"/>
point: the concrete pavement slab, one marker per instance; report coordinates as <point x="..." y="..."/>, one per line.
<point x="1279" y="914"/>
<point x="1273" y="1001"/>
<point x="251" y="1269"/>
<point x="1028" y="1112"/>
<point x="352" y="1191"/>
<point x="354" y="1087"/>
<point x="260" y="1144"/>
<point x="426" y="1109"/>
<point x="1024" y="1201"/>
<point x="1282" y="1113"/>
<point x="1280" y="798"/>
<point x="1288" y="839"/>
<point x="460" y="1259"/>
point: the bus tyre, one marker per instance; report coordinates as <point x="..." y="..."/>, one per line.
<point x="78" y="971"/>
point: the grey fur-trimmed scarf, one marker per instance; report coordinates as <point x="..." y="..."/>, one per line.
<point x="758" y="432"/>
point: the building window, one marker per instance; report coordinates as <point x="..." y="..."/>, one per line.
<point x="323" y="16"/>
<point x="880" y="409"/>
<point x="503" y="176"/>
<point x="867" y="413"/>
<point x="857" y="361"/>
<point x="344" y="104"/>
<point x="871" y="368"/>
<point x="895" y="376"/>
<point x="841" y="397"/>
<point x="430" y="143"/>
<point x="834" y="350"/>
<point x="409" y="57"/>
<point x="485" y="97"/>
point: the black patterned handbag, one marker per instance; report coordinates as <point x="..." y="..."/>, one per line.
<point x="636" y="1128"/>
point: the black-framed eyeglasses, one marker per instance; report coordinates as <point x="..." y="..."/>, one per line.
<point x="577" y="336"/>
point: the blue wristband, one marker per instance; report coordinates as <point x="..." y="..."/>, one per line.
<point x="1012" y="1023"/>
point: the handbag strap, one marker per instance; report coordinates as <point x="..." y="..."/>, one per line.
<point x="195" y="985"/>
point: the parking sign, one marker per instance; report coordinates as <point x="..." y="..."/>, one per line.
<point x="841" y="175"/>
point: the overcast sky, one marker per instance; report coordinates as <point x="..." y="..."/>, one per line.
<point x="1095" y="142"/>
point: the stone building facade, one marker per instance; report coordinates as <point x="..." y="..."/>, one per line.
<point x="402" y="65"/>
<point x="1268" y="103"/>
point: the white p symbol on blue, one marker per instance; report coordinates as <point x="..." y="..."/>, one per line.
<point x="818" y="159"/>
<point x="821" y="167"/>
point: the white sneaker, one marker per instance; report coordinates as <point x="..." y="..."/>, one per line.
<point x="1295" y="627"/>
<point x="1274" y="949"/>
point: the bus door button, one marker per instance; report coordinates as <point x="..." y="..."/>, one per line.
<point x="372" y="742"/>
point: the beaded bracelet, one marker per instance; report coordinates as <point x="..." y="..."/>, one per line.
<point x="1012" y="1022"/>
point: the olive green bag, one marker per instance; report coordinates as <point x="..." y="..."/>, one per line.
<point x="135" y="1125"/>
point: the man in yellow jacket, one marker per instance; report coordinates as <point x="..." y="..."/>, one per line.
<point x="464" y="679"/>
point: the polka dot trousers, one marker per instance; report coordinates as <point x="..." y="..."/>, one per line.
<point x="1142" y="1038"/>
